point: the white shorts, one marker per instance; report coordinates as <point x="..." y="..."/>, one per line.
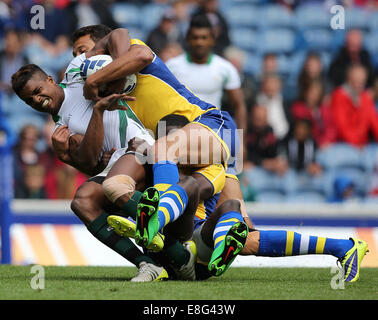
<point x="115" y="156"/>
<point x="204" y="252"/>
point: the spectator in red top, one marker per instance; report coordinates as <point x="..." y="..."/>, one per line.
<point x="353" y="109"/>
<point x="312" y="106"/>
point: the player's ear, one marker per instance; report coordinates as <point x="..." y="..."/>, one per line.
<point x="50" y="79"/>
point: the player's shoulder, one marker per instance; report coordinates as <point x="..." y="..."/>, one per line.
<point x="75" y="63"/>
<point x="72" y="73"/>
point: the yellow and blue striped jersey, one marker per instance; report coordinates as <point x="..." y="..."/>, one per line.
<point x="158" y="93"/>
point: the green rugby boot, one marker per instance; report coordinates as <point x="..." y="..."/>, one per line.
<point x="147" y="219"/>
<point x="229" y="248"/>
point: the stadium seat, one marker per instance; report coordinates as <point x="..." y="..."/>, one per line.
<point x="370" y="157"/>
<point x="321" y="184"/>
<point x="297" y="60"/>
<point x="312" y="16"/>
<point x="244" y="38"/>
<point x="318" y="39"/>
<point x="358" y="176"/>
<point x="276" y="16"/>
<point x="356" y="18"/>
<point x="270" y="196"/>
<point x="306" y="197"/>
<point x="340" y="155"/>
<point x="252" y="64"/>
<point x="277" y="41"/>
<point x="243" y="16"/>
<point x="371" y="42"/>
<point x="284" y="66"/>
<point x="126" y="15"/>
<point x="262" y="180"/>
<point x="373" y="21"/>
<point x="371" y="199"/>
<point x="137" y="33"/>
<point x="152" y="14"/>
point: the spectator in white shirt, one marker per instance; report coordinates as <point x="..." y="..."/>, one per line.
<point x="270" y="96"/>
<point x="207" y="74"/>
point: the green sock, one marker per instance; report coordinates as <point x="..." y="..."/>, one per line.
<point x="101" y="230"/>
<point x="175" y="252"/>
<point x="130" y="207"/>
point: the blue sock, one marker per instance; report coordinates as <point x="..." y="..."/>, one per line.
<point x="288" y="243"/>
<point x="165" y="174"/>
<point x="225" y="222"/>
<point x="172" y="205"/>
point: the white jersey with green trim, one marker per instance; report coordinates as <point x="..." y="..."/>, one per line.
<point x="207" y="80"/>
<point x="76" y="111"/>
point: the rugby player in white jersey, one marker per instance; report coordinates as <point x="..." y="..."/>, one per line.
<point x="90" y="128"/>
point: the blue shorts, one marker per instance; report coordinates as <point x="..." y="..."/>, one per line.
<point x="224" y="127"/>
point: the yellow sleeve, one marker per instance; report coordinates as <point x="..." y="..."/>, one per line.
<point x="137" y="41"/>
<point x="216" y="175"/>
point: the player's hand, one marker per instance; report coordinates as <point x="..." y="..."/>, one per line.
<point x="106" y="157"/>
<point x="60" y="142"/>
<point x="90" y="90"/>
<point x="138" y="145"/>
<point x="110" y="103"/>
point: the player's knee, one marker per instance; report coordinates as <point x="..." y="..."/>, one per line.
<point x="190" y="185"/>
<point x="229" y="205"/>
<point x="118" y="186"/>
<point x="82" y="203"/>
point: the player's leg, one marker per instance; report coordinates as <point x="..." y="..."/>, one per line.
<point x="180" y="252"/>
<point x="123" y="181"/>
<point x="157" y="211"/>
<point x="193" y="144"/>
<point x="225" y="233"/>
<point x="280" y="243"/>
<point x="232" y="191"/>
<point x="92" y="207"/>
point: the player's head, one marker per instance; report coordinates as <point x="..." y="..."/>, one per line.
<point x="37" y="89"/>
<point x="170" y="123"/>
<point x="200" y="37"/>
<point x="85" y="38"/>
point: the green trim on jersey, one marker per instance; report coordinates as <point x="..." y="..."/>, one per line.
<point x="122" y="127"/>
<point x="130" y="113"/>
<point x="73" y="70"/>
<point x="207" y="62"/>
<point x="55" y="118"/>
<point x="62" y="85"/>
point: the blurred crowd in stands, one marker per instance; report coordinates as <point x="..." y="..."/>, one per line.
<point x="307" y="88"/>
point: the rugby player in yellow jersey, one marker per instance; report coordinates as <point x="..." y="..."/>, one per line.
<point x="158" y="93"/>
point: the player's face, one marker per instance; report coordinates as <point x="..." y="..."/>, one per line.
<point x="42" y="94"/>
<point x="200" y="41"/>
<point x="83" y="44"/>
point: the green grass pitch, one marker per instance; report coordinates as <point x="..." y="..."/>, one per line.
<point x="75" y="283"/>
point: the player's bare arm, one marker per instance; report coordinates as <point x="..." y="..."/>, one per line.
<point x="134" y="60"/>
<point x="63" y="142"/>
<point x="116" y="43"/>
<point x="89" y="151"/>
